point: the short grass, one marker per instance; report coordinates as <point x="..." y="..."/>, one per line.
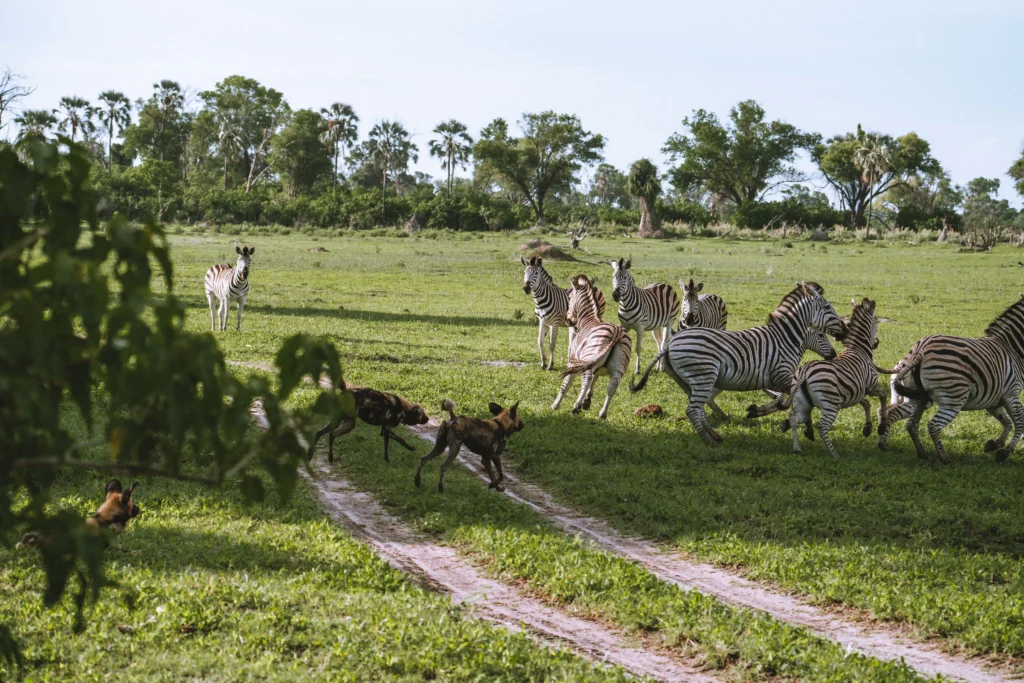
<point x="934" y="546"/>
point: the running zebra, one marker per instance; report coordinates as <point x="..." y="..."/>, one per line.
<point x="702" y="360"/>
<point x="597" y="348"/>
<point x="831" y="385"/>
<point x="225" y="283"/>
<point x="957" y="374"/>
<point x="550" y="305"/>
<point x="654" y="308"/>
<point x="703" y="310"/>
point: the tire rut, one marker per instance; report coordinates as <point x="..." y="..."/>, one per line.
<point x="875" y="639"/>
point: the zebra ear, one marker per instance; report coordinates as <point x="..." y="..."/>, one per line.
<point x="700" y="286"/>
<point x="629" y="262"/>
<point x="252" y="250"/>
<point x="854" y="301"/>
<point x="615" y="266"/>
<point x="238" y="250"/>
<point x="593" y="282"/>
<point x="682" y="283"/>
<point x="540" y="261"/>
<point x="522" y="260"/>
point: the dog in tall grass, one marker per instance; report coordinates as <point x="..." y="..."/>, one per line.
<point x="486" y="438"/>
<point x="113" y="515"/>
<point x="379" y="409"/>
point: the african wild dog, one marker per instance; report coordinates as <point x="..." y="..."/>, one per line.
<point x="379" y="409"/>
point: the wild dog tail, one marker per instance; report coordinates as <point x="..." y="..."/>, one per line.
<point x="450" y="406"/>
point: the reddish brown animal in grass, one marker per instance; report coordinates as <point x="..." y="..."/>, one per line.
<point x="377" y="408"/>
<point x="649" y="410"/>
<point x="486" y="438"/>
<point x="115" y="513"/>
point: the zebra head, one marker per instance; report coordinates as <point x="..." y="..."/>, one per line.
<point x="862" y="330"/>
<point x="622" y="279"/>
<point x="823" y="317"/>
<point x="581" y="300"/>
<point x="688" y="313"/>
<point x="534" y="273"/>
<point x="817" y="342"/>
<point x="244" y="261"/>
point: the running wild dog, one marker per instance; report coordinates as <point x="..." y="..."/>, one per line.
<point x="379" y="409"/>
<point x="114" y="514"/>
<point x="486" y="438"/>
<point x="225" y="283"/>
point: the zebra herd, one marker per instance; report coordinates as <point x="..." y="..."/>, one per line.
<point x="705" y="359"/>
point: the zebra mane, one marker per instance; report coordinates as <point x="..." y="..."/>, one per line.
<point x="859" y="328"/>
<point x="1009" y="326"/>
<point x="583" y="284"/>
<point x="793" y="300"/>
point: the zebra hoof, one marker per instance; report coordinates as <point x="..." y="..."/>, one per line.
<point x="576" y="410"/>
<point x="992" y="445"/>
<point x="416" y="480"/>
<point x="883" y="429"/>
<point x="867" y="430"/>
<point x="809" y="433"/>
<point x="784" y="425"/>
<point x="751" y="411"/>
<point x="883" y="446"/>
<point x="1002" y="454"/>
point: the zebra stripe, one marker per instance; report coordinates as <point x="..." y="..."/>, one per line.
<point x="958" y="374"/>
<point x="831" y="385"/>
<point x="655" y="307"/>
<point x="597" y="347"/>
<point x="225" y="283"/>
<point x="704" y="310"/>
<point x="551" y="303"/>
<point x="705" y="361"/>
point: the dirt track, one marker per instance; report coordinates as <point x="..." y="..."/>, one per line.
<point x="875" y="640"/>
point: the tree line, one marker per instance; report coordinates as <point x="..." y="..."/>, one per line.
<point x="238" y="153"/>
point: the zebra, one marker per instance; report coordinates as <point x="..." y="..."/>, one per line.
<point x="653" y="308"/>
<point x="550" y="304"/>
<point x="702" y="360"/>
<point x="596" y="348"/>
<point x="957" y="374"/>
<point x="846" y="381"/>
<point x="705" y="310"/>
<point x="225" y="283"/>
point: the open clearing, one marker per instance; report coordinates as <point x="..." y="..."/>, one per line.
<point x="934" y="551"/>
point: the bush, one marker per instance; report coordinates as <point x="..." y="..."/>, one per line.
<point x="757" y="215"/>
<point x="910" y="216"/>
<point x="682" y="211"/>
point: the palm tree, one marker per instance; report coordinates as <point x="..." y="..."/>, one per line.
<point x="116" y="111"/>
<point x="34" y="124"/>
<point x="229" y="138"/>
<point x="390" y="147"/>
<point x="78" y="115"/>
<point x="452" y="148"/>
<point x="341" y="131"/>
<point x="873" y="159"/>
<point x="643" y="183"/>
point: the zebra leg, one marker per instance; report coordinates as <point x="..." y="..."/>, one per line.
<point x="719" y="413"/>
<point x="938" y="422"/>
<point x="618" y="366"/>
<point x="895" y="413"/>
<point x="553" y="332"/>
<point x="241" y="305"/>
<point x="590" y="394"/>
<point x="639" y="342"/>
<point x="588" y="380"/>
<point x="699" y="397"/>
<point x="863" y="403"/>
<point x="540" y="344"/>
<point x="913" y="425"/>
<point x="1004" y="419"/>
<point x="660" y="335"/>
<point x="225" y="313"/>
<point x="799" y="413"/>
<point x="209" y="300"/>
<point x="566" y="383"/>
<point x="1016" y="410"/>
<point x="828" y="417"/>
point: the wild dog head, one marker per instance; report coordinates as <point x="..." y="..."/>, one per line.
<point x="117" y="510"/>
<point x="508" y="418"/>
<point x="413" y="414"/>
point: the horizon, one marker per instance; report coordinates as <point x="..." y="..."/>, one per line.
<point x="949" y="79"/>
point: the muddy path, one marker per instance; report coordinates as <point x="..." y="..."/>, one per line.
<point x="873" y="639"/>
<point x="442" y="569"/>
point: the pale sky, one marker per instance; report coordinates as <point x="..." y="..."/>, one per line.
<point x="951" y="71"/>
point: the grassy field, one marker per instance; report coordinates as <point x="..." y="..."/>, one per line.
<point x="936" y="547"/>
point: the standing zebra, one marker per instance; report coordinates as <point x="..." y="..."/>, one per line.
<point x="705" y="310"/>
<point x="831" y="385"/>
<point x="226" y="283"/>
<point x="597" y="348"/>
<point x="702" y="360"/>
<point x="654" y="308"/>
<point x="958" y="373"/>
<point x="550" y="305"/>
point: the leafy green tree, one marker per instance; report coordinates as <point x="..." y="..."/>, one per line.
<point x="608" y="188"/>
<point x="116" y="112"/>
<point x="341" y="132"/>
<point x="874" y="159"/>
<point x="302" y="157"/>
<point x="81" y="312"/>
<point x="925" y="200"/>
<point x="1017" y="173"/>
<point x="838" y="161"/>
<point x="741" y="161"/>
<point x="34" y="125"/>
<point x="549" y="155"/>
<point x="229" y="139"/>
<point x="644" y="184"/>
<point x="985" y="215"/>
<point x="390" y="147"/>
<point x="453" y="147"/>
<point x="160" y="126"/>
<point x="78" y="115"/>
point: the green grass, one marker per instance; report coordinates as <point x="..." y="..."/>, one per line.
<point x="937" y="547"/>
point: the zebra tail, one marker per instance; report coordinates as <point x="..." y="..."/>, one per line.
<point x="574" y="368"/>
<point x="634" y="388"/>
<point x="450" y="406"/>
<point x="885" y="371"/>
<point x="914" y="368"/>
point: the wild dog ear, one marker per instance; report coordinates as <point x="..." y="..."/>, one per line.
<point x="513" y="412"/>
<point x="700" y="286"/>
<point x="238" y="250"/>
<point x="114" y="486"/>
<point x="127" y="495"/>
<point x="495" y="409"/>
